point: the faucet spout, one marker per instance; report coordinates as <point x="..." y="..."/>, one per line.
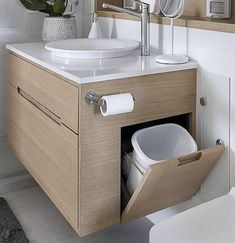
<point x="144" y="15"/>
<point x="121" y="10"/>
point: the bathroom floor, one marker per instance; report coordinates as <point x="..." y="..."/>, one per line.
<point x="43" y="223"/>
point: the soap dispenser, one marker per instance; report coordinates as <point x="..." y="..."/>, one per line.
<point x="95" y="32"/>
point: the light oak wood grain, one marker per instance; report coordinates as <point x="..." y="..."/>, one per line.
<point x="193" y="8"/>
<point x="82" y="174"/>
<point x="197" y="8"/>
<point x="194" y="16"/>
<point x="168" y="183"/>
<point x="49" y="151"/>
<point x="55" y="94"/>
<point x="98" y="3"/>
<point x="61" y="77"/>
<point x="222" y="25"/>
<point x="158" y="96"/>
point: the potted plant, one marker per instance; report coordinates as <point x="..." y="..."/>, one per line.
<point x="57" y="25"/>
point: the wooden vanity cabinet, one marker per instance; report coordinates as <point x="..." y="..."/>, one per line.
<point x="157" y="96"/>
<point x="42" y="130"/>
<point x="74" y="153"/>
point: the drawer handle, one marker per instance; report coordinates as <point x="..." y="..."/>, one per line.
<point x="40" y="107"/>
<point x="193" y="157"/>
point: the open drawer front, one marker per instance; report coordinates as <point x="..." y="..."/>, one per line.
<point x="170" y="182"/>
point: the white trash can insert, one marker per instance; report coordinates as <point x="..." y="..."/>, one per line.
<point x="155" y="144"/>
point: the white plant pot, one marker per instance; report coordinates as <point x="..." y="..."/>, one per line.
<point x="59" y="28"/>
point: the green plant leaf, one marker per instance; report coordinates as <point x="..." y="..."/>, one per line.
<point x="48" y="10"/>
<point x="34" y="5"/>
<point x="51" y="7"/>
<point x="59" y="7"/>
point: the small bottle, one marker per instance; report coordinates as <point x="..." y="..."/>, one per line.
<point x="95" y="32"/>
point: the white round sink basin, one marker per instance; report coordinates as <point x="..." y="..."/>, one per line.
<point x="92" y="48"/>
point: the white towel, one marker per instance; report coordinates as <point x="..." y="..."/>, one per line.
<point x="154" y="6"/>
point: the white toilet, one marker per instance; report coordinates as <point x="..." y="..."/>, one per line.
<point x="211" y="222"/>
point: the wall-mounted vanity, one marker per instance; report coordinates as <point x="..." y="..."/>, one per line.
<point x="74" y="152"/>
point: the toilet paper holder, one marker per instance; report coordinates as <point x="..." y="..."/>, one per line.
<point x="92" y="98"/>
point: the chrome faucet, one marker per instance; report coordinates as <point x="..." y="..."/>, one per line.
<point x="144" y="15"/>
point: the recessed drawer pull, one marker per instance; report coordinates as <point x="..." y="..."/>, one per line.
<point x="193" y="157"/>
<point x="43" y="109"/>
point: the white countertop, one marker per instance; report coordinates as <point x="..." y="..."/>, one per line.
<point x="89" y="71"/>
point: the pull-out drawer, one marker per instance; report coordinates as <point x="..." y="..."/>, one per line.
<point x="168" y="183"/>
<point x="48" y="150"/>
<point x="55" y="94"/>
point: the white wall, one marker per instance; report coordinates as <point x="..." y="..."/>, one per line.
<point x="88" y="9"/>
<point x="215" y="53"/>
<point x="20" y="25"/>
<point x="16" y="25"/>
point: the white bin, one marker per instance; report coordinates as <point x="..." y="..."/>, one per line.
<point x="155" y="144"/>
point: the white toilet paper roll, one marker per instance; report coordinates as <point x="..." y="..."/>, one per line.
<point x="117" y="104"/>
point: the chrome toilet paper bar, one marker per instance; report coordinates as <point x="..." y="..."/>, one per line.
<point x="92" y="98"/>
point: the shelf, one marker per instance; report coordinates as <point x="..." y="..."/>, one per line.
<point x="185" y="21"/>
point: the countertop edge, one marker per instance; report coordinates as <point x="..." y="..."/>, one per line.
<point x="79" y="81"/>
<point x="72" y="78"/>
